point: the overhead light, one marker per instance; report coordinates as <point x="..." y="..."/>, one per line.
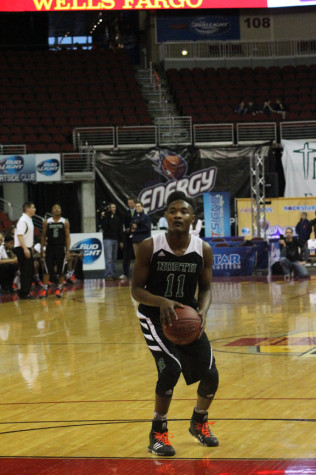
<point x="184" y="52"/>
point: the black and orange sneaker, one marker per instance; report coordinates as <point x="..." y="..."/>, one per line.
<point x="43" y="294"/>
<point x="159" y="444"/>
<point x="58" y="294"/>
<point x="202" y="432"/>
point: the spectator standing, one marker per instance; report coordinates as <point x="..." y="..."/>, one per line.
<point x="140" y="226"/>
<point x="128" y="242"/>
<point x="8" y="264"/>
<point x="112" y="237"/>
<point x="303" y="228"/>
<point x="23" y="244"/>
<point x="292" y="255"/>
<point x="313" y="224"/>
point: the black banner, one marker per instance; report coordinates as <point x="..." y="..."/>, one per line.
<point x="151" y="175"/>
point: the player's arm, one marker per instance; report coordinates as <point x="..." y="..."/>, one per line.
<point x="205" y="283"/>
<point x="139" y="280"/>
<point x="43" y="238"/>
<point x="67" y="236"/>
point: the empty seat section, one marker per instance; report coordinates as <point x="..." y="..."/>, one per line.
<point x="65" y="89"/>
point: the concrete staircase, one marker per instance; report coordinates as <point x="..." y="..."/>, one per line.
<point x="156" y="94"/>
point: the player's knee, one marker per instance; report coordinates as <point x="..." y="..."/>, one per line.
<point x="209" y="384"/>
<point x="166" y="384"/>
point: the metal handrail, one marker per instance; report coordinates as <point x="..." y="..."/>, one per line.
<point x="14" y="211"/>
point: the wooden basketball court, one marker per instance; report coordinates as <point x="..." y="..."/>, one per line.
<point x="77" y="384"/>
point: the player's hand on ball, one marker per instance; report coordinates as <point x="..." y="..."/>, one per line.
<point x="167" y="313"/>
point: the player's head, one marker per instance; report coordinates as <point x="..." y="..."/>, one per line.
<point x="56" y="210"/>
<point x="180" y="212"/>
<point x="303" y="216"/>
<point x="9" y="241"/>
<point x="180" y="195"/>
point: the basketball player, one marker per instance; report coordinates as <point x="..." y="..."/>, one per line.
<point x="167" y="271"/>
<point x="56" y="238"/>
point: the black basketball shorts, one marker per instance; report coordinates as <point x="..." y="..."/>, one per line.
<point x="55" y="256"/>
<point x="193" y="360"/>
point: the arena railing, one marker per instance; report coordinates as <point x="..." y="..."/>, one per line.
<point x="78" y="166"/>
<point x="13" y="149"/>
<point x="98" y="137"/>
<point x="255" y="132"/>
<point x="238" y="49"/>
<point x="298" y="130"/>
<point x="213" y="134"/>
<point x="136" y="136"/>
<point x="174" y="130"/>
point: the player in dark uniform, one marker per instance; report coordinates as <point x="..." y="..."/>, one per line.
<point x="167" y="271"/>
<point x="56" y="238"/>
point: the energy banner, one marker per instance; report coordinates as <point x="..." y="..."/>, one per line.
<point x="152" y="175"/>
<point x="281" y="213"/>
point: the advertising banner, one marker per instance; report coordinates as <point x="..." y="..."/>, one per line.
<point x="48" y="167"/>
<point x="197" y="28"/>
<point x="30" y="168"/>
<point x="99" y="5"/>
<point x="104" y="5"/>
<point x="17" y="168"/>
<point x="152" y="175"/>
<point x="299" y="165"/>
<point x="233" y="261"/>
<point x="280" y="214"/>
<point x="216" y="214"/>
<point x="91" y="246"/>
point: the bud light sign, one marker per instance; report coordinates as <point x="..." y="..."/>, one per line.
<point x="17" y="168"/>
<point x="90" y="246"/>
<point x="48" y="167"/>
<point x="12" y="165"/>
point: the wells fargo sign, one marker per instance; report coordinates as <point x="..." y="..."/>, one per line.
<point x="78" y="5"/>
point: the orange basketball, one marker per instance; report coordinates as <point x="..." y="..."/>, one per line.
<point x="186" y="329"/>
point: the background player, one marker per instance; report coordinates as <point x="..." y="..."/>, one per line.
<point x="167" y="270"/>
<point x="56" y="238"/>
